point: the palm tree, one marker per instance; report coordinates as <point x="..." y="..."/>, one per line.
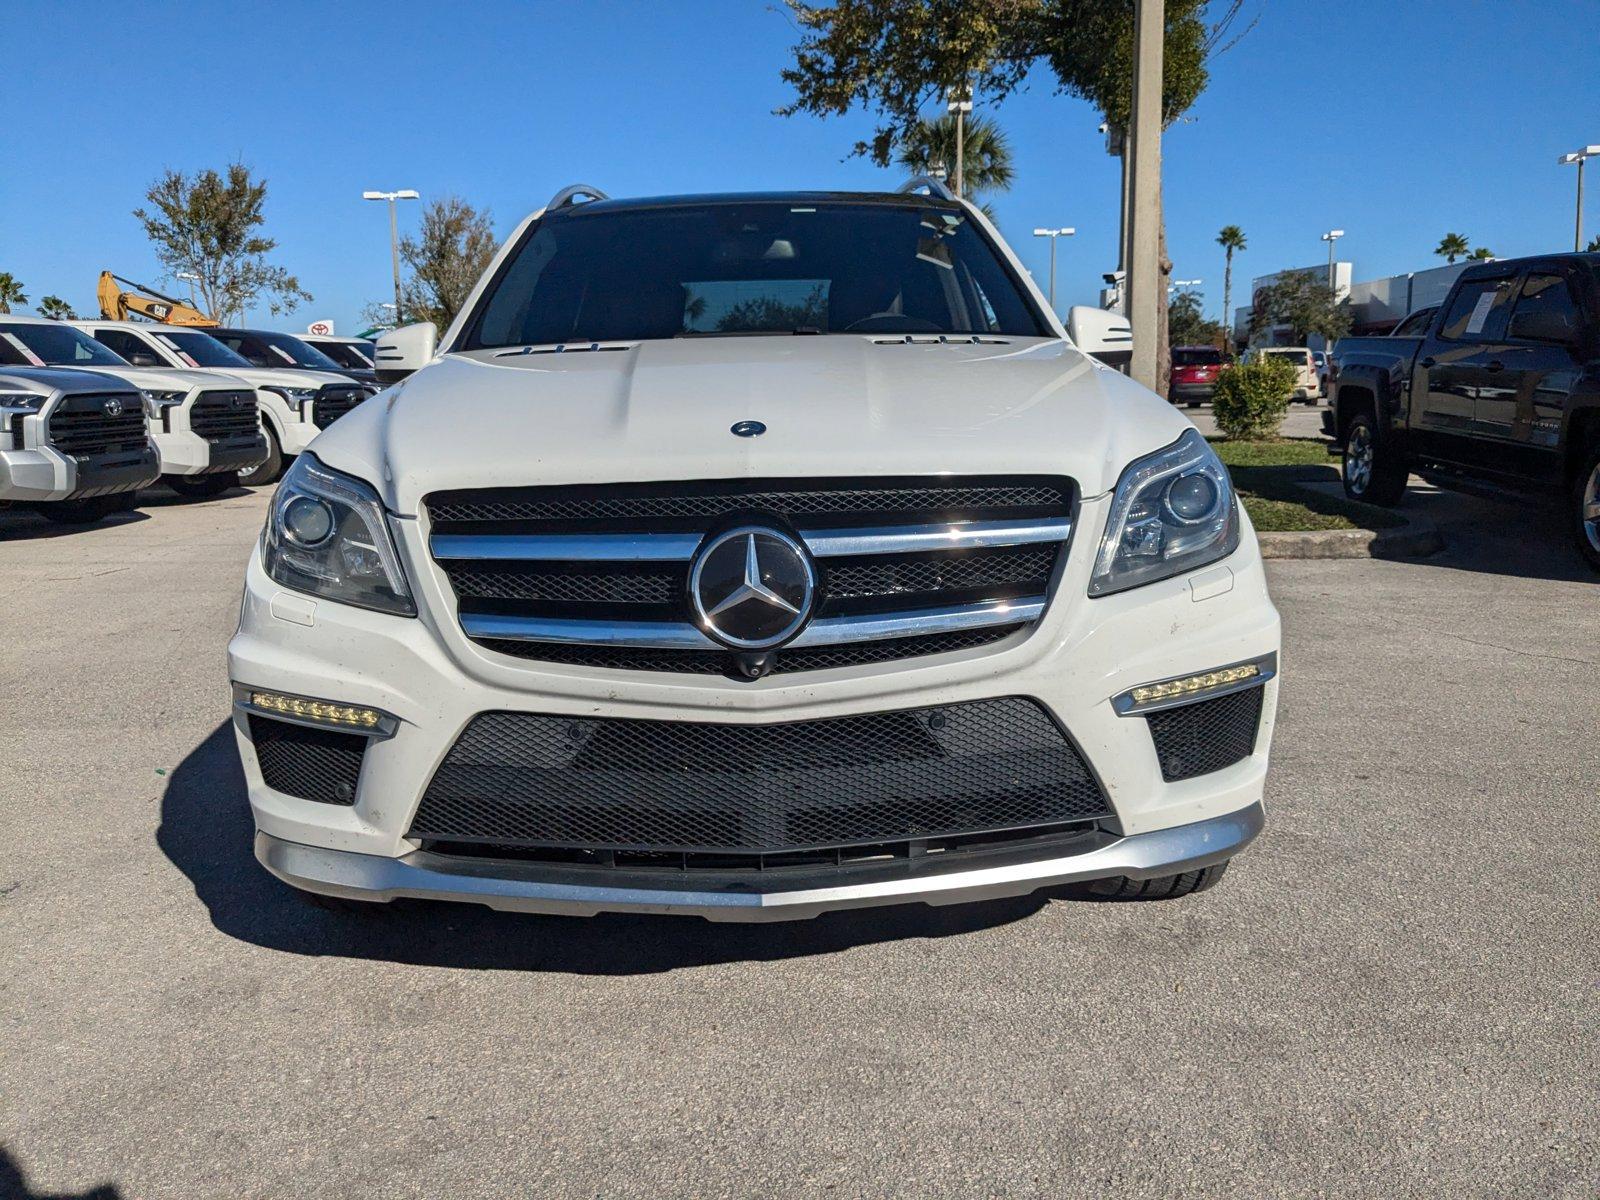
<point x="1230" y="238"/>
<point x="56" y="309"/>
<point x="10" y="292"/>
<point x="1453" y="246"/>
<point x="1481" y="254"/>
<point x="986" y="163"/>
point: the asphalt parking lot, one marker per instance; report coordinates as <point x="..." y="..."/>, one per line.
<point x="1393" y="994"/>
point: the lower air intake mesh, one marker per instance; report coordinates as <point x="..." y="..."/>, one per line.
<point x="522" y="779"/>
<point x="1196" y="739"/>
<point x="314" y="764"/>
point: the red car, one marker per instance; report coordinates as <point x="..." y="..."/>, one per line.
<point x="1194" y="373"/>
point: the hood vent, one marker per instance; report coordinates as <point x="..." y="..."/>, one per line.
<point x="942" y="339"/>
<point x="566" y="348"/>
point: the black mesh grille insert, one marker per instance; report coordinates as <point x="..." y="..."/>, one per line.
<point x="1196" y="739"/>
<point x="523" y="779"/>
<point x="81" y="426"/>
<point x="222" y="416"/>
<point x="1013" y="571"/>
<point x="632" y="583"/>
<point x="333" y="402"/>
<point x="314" y="764"/>
<point x="720" y="662"/>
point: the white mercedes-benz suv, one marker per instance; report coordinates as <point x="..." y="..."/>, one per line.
<point x="752" y="556"/>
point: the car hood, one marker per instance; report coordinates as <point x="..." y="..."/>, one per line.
<point x="268" y="377"/>
<point x="832" y="405"/>
<point x="72" y="380"/>
<point x="167" y="379"/>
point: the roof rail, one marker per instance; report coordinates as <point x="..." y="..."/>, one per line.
<point x="569" y="196"/>
<point x="934" y="186"/>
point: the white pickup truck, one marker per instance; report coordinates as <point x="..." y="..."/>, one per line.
<point x="74" y="445"/>
<point x="751" y="556"/>
<point x="296" y="404"/>
<point x="205" y="426"/>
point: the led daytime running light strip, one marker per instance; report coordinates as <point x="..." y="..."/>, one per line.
<point x="317" y="710"/>
<point x="1193" y="683"/>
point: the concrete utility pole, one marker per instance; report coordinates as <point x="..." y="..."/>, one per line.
<point x="394" y="235"/>
<point x="1332" y="236"/>
<point x="1144" y="202"/>
<point x="1579" y="157"/>
<point x="960" y="103"/>
<point x="1054" y="235"/>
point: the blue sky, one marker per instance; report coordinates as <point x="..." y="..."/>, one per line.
<point x="1395" y="122"/>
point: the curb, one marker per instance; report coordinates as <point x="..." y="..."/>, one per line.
<point x="1417" y="538"/>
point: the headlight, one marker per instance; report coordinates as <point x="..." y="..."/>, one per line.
<point x="157" y="403"/>
<point x="297" y="398"/>
<point x="326" y="535"/>
<point x="1173" y="511"/>
<point x="20" y="402"/>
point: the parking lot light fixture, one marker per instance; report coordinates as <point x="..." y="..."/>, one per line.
<point x="394" y="235"/>
<point x="1579" y="157"/>
<point x="1053" y="235"/>
<point x="1332" y="236"/>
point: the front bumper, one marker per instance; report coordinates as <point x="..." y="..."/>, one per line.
<point x="519" y="887"/>
<point x="187" y="453"/>
<point x="1193" y="391"/>
<point x="44" y="474"/>
<point x="433" y="681"/>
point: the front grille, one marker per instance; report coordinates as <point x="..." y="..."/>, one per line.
<point x="81" y="426"/>
<point x="225" y="416"/>
<point x="332" y="402"/>
<point x="1196" y="739"/>
<point x="529" y="559"/>
<point x="606" y="784"/>
<point x="314" y="764"/>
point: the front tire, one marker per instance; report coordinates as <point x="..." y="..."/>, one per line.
<point x="1167" y="887"/>
<point x="1373" y="473"/>
<point x="202" y="487"/>
<point x="268" y="470"/>
<point x="1586" y="507"/>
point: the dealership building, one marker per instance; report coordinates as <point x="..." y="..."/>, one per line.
<point x="1376" y="305"/>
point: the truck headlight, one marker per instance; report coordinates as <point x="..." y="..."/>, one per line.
<point x="1173" y="511"/>
<point x="327" y="535"/>
<point x="297" y="398"/>
<point x="157" y="404"/>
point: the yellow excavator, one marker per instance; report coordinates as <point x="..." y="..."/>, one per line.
<point x="146" y="302"/>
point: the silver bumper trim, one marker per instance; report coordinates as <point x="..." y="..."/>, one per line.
<point x="531" y="887"/>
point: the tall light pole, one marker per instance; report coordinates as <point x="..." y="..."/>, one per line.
<point x="960" y="103"/>
<point x="1179" y="284"/>
<point x="1144" y="193"/>
<point x="394" y="235"/>
<point x="1332" y="236"/>
<point x="193" y="279"/>
<point x="1053" y="234"/>
<point x="1579" y="157"/>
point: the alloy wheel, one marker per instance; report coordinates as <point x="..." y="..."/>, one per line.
<point x="1358" y="459"/>
<point x="1589" y="508"/>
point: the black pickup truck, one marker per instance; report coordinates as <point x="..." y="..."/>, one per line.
<point x="1500" y="384"/>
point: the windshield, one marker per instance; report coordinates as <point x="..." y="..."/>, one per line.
<point x="1203" y="357"/>
<point x="274" y="350"/>
<point x="53" y="345"/>
<point x="201" y="350"/>
<point x="346" y="355"/>
<point x="762" y="267"/>
<point x="1298" y="355"/>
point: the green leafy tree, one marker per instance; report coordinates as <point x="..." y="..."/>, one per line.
<point x="896" y="57"/>
<point x="1452" y="246"/>
<point x="209" y="225"/>
<point x="986" y="161"/>
<point x="446" y="258"/>
<point x="56" y="309"/>
<point x="10" y="292"/>
<point x="1305" y="303"/>
<point x="1594" y="244"/>
<point x="1230" y="238"/>
<point x="1187" y="324"/>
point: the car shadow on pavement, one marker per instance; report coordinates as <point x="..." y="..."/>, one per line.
<point x="14" y="1185"/>
<point x="206" y="831"/>
<point x="22" y="525"/>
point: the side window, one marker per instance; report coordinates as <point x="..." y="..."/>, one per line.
<point x="1545" y="311"/>
<point x="247" y="347"/>
<point x="1416" y="324"/>
<point x="1477" y="312"/>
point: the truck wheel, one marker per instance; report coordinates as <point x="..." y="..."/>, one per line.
<point x="1373" y="473"/>
<point x="202" y="487"/>
<point x="1587" y="507"/>
<point x="83" y="512"/>
<point x="1167" y="887"/>
<point x="267" y="471"/>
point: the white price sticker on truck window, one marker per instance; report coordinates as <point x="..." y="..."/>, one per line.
<point x="1480" y="311"/>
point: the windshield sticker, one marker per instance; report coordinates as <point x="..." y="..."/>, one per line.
<point x="33" y="359"/>
<point x="283" y="354"/>
<point x="1480" y="312"/>
<point x="172" y="345"/>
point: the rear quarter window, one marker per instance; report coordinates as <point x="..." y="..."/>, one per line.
<point x="1477" y="311"/>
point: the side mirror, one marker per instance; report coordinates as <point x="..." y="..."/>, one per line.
<point x="1104" y="335"/>
<point x="143" y="358"/>
<point x="404" y="350"/>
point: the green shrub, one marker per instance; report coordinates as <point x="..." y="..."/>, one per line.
<point x="1252" y="398"/>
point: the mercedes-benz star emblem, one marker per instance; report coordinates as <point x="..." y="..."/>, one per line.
<point x="113" y="407"/>
<point x="752" y="588"/>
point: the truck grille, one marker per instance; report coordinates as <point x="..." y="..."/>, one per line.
<point x="333" y="402"/>
<point x="520" y="779"/>
<point x="95" y="425"/>
<point x="598" y="576"/>
<point x="225" y="416"/>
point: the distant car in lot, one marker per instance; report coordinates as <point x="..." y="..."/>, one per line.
<point x="205" y="425"/>
<point x="1323" y="365"/>
<point x="296" y="404"/>
<point x="1500" y="385"/>
<point x="74" y="445"/>
<point x="351" y="353"/>
<point x="1194" y="373"/>
<point x="289" y="352"/>
<point x="1306" y="385"/>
